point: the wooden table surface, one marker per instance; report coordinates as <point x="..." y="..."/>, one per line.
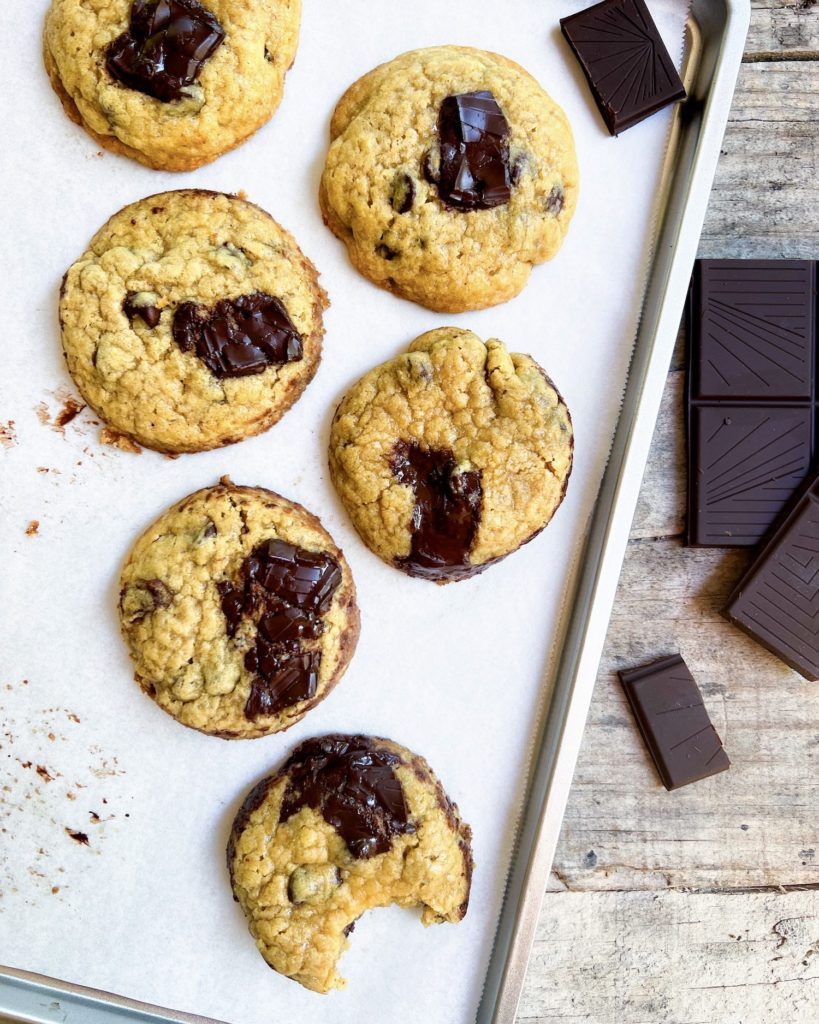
<point x="701" y="906"/>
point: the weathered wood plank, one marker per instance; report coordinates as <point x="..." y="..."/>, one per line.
<point x="779" y="26"/>
<point x="767" y="188"/>
<point x="672" y="958"/>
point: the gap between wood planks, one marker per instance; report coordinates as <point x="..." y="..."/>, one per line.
<point x="560" y="884"/>
<point x="780" y="56"/>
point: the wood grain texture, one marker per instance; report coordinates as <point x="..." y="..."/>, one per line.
<point x="782" y="27"/>
<point x="645" y="958"/>
<point x="626" y="940"/>
<point x="767" y="188"/>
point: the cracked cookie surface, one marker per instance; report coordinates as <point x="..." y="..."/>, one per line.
<point x="450" y="228"/>
<point x="347" y="824"/>
<point x="192" y="321"/>
<point x="452" y="455"/>
<point x="238" y="610"/>
<point x="229" y="94"/>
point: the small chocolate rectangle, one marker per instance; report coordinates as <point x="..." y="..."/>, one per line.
<point x="777" y="602"/>
<point x="752" y="395"/>
<point x="668" y="706"/>
<point x="625" y="61"/>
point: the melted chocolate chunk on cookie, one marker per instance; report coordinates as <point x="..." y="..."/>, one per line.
<point x="238" y="337"/>
<point x="281" y="683"/>
<point x="146" y="311"/>
<point x="165" y="47"/>
<point x="473" y="134"/>
<point x="285" y="590"/>
<point x="306" y="579"/>
<point x="350" y="781"/>
<point x="446" y="514"/>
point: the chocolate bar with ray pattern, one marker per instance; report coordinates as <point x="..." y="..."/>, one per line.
<point x="777" y="602"/>
<point x="753" y="402"/>
<point x="668" y="706"/>
<point x="622" y="55"/>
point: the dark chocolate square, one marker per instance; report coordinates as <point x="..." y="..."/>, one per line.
<point x="777" y="602"/>
<point x="753" y="329"/>
<point x="668" y="706"/>
<point x="753" y="406"/>
<point x="746" y="462"/>
<point x="625" y="61"/>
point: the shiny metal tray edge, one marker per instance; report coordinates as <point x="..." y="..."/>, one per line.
<point x="717" y="30"/>
<point x="33" y="999"/>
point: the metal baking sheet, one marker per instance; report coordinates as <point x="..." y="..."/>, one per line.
<point x="716" y="32"/>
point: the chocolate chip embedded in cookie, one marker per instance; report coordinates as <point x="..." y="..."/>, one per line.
<point x="238" y="610"/>
<point x="192" y="321"/>
<point x="450" y="174"/>
<point x="347" y="824"/>
<point x="171" y="83"/>
<point x="451" y="456"/>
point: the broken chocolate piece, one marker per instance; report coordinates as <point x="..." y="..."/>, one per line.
<point x="473" y="135"/>
<point x="164" y="48"/>
<point x="752" y="396"/>
<point x="280" y="684"/>
<point x="625" y="61"/>
<point x="350" y="781"/>
<point x="668" y="706"/>
<point x="288" y="625"/>
<point x="446" y="514"/>
<point x="238" y="337"/>
<point x="305" y="579"/>
<point x="148" y="312"/>
<point x="777" y="602"/>
<point x="285" y="590"/>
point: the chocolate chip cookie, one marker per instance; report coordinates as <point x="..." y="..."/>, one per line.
<point x="171" y="83"/>
<point x="192" y="321"/>
<point x="450" y="174"/>
<point x="348" y="823"/>
<point x="451" y="456"/>
<point x="238" y="610"/>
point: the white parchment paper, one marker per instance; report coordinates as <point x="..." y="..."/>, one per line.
<point x="455" y="673"/>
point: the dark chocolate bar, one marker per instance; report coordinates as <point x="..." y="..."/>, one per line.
<point x="625" y="61"/>
<point x="752" y="395"/>
<point x="668" y="706"/>
<point x="777" y="602"/>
